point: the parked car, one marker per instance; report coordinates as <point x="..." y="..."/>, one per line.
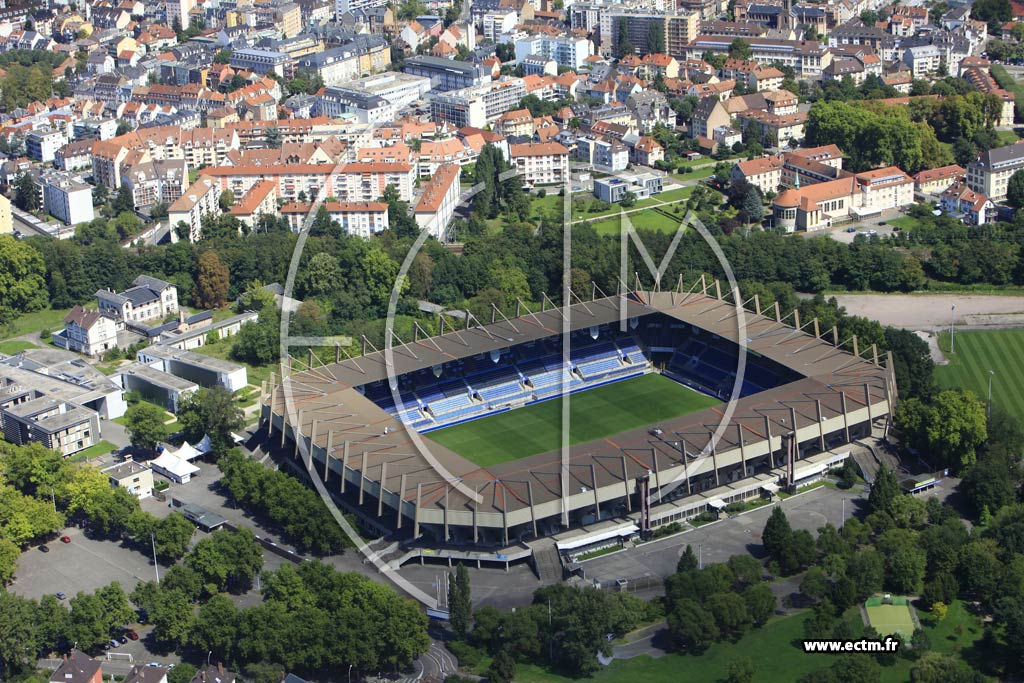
<point x="132" y="635"/>
<point x="44" y="549"/>
<point x="114" y="643"/>
<point x="65" y="539"/>
<point x="851" y="230"/>
<point x="60" y="595"/>
<point x="124" y="639"/>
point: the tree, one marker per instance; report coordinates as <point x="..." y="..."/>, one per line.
<point x="26" y="193"/>
<point x="776" y="535"/>
<point x="211" y="289"/>
<point x="145" y="424"/>
<point x="949" y="428"/>
<point x="9" y="553"/>
<point x="89" y="626"/>
<point x="211" y="412"/>
<point x="740" y="670"/>
<point x="182" y="673"/>
<point x="746" y="570"/>
<point x="1015" y="189"/>
<point x="884" y="490"/>
<point x="991" y="482"/>
<point x="687" y="560"/>
<point x="730" y="613"/>
<point x="22" y="279"/>
<point x="19" y="639"/>
<point x="994" y="12"/>
<point x="760" y="603"/>
<point x="227" y="200"/>
<point x="171" y="536"/>
<point x="460" y="601"/>
<point x="628" y="200"/>
<point x="272" y="136"/>
<point x="117" y="610"/>
<point x="502" y="668"/>
<point x="123" y="201"/>
<point x="814" y="584"/>
<point x="655" y="39"/>
<point x="222" y="57"/>
<point x="692" y="626"/>
<point x="739" y="49"/>
<point x="623" y="46"/>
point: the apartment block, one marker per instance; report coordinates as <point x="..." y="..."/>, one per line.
<point x="355" y="218"/>
<point x="991" y="171"/>
<point x="541" y="163"/>
<point x="437" y="204"/>
<point x="202" y="198"/>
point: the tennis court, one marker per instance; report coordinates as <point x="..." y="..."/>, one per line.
<point x="890" y="616"/>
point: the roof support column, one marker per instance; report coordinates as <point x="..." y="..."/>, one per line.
<point x="476" y="509"/>
<point x="362" y="479"/>
<point x="821" y="424"/>
<point x="447" y="490"/>
<point x="625" y="485"/>
<point x="297" y="431"/>
<point x="416" y="512"/>
<point x="533" y="510"/>
<point x="312" y="440"/>
<point x="768" y="436"/>
<point x="401" y="501"/>
<point x="743" y="449"/>
<point x="593" y="482"/>
<point x="846" y="417"/>
<point x="327" y="456"/>
<point x="380" y="491"/>
<point x="714" y="455"/>
<point x="867" y="403"/>
<point x="657" y="474"/>
<point x="344" y="464"/>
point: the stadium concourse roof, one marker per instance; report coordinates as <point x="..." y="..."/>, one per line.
<point x="380" y="446"/>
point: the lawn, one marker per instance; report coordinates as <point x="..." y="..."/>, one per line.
<point x="904" y="222"/>
<point x="222" y="349"/>
<point x="46" y="319"/>
<point x="101" y="448"/>
<point x="550" y="202"/>
<point x="647" y="220"/>
<point x="977" y="352"/>
<point x="675" y="195"/>
<point x="595" y="413"/>
<point x="15" y="346"/>
<point x="699" y="174"/>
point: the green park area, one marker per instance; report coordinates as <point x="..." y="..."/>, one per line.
<point x="890" y="617"/>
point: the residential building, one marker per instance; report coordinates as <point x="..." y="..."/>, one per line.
<point x="6" y="219"/>
<point x="74" y="156"/>
<point x="765" y="173"/>
<point x="146" y="299"/>
<point x="677" y="30"/>
<point x="606" y="155"/>
<point x="646" y="152"/>
<point x="67" y="198"/>
<point x="991" y="171"/>
<point x="936" y="180"/>
<point x="136" y="478"/>
<point x="923" y="60"/>
<point x="355" y="218"/>
<point x="201" y="199"/>
<point x="436" y="206"/>
<point x="260" y="200"/>
<point x="87" y="332"/>
<point x="146" y="674"/>
<point x="498" y="23"/>
<point x="806" y="57"/>
<point x="541" y="163"/>
<point x="970" y="206"/>
<point x="260" y="61"/>
<point x="566" y="51"/>
<point x="78" y="667"/>
<point x="641" y="185"/>
<point x="42" y="144"/>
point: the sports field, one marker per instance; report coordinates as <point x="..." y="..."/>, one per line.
<point x="977" y="352"/>
<point x="595" y="413"/>
<point x="890" y="619"/>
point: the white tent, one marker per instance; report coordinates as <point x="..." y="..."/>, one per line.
<point x="186" y="452"/>
<point x="174" y="468"/>
<point x="204" y="446"/>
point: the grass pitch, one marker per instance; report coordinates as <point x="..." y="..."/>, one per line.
<point x="891" y="619"/>
<point x="977" y="352"/>
<point x="595" y="413"/>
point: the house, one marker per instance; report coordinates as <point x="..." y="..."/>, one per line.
<point x="765" y="173"/>
<point x="214" y="674"/>
<point x="87" y="332"/>
<point x="146" y="674"/>
<point x="647" y="151"/>
<point x="148" y="298"/>
<point x="970" y="206"/>
<point x="935" y="180"/>
<point x="78" y="667"/>
<point x="134" y="477"/>
<point x="991" y="171"/>
<point x="709" y="114"/>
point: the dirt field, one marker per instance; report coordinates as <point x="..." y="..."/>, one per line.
<point x="932" y="311"/>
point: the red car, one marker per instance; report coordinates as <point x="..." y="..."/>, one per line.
<point x="131" y="635"/>
<point x="65" y="539"/>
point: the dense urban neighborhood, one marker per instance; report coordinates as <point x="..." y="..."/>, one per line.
<point x="511" y="340"/>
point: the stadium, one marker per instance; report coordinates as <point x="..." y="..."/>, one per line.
<point x="647" y="376"/>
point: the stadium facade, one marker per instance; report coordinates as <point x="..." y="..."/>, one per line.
<point x="802" y="399"/>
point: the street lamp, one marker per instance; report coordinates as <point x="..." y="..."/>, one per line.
<point x="988" y="408"/>
<point x="349" y="673"/>
<point x="952" y="329"/>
